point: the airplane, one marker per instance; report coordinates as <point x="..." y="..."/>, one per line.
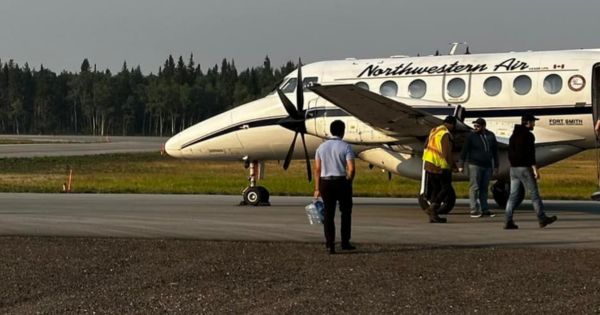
<point x="389" y="105"/>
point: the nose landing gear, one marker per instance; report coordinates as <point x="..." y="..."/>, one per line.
<point x="254" y="195"/>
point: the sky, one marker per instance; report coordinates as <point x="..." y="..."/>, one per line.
<point x="59" y="34"/>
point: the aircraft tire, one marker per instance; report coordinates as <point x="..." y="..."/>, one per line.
<point x="448" y="204"/>
<point x="264" y="194"/>
<point x="501" y="191"/>
<point x="256" y="195"/>
<point x="251" y="196"/>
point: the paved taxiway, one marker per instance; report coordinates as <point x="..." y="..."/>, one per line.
<point x="77" y="145"/>
<point x="375" y="220"/>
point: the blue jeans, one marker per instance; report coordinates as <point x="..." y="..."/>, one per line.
<point x="523" y="176"/>
<point x="479" y="179"/>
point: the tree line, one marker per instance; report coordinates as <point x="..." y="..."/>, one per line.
<point x="94" y="102"/>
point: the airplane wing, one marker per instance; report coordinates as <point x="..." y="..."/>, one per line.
<point x="391" y="117"/>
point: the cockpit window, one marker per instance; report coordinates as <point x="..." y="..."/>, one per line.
<point x="290" y="85"/>
<point x="309" y="81"/>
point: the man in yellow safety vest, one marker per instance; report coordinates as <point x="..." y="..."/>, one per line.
<point x="439" y="164"/>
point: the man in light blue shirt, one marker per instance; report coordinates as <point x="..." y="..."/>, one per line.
<point x="334" y="173"/>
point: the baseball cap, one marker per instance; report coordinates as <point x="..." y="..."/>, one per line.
<point x="450" y="120"/>
<point x="479" y="121"/>
<point x="528" y="117"/>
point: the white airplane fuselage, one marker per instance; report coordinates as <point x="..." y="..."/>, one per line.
<point x="559" y="87"/>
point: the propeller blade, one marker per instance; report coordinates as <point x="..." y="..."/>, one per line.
<point x="389" y="176"/>
<point x="288" y="157"/>
<point x="289" y="106"/>
<point x="308" y="169"/>
<point x="300" y="88"/>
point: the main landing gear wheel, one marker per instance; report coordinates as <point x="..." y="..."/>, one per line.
<point x="446" y="206"/>
<point x="501" y="190"/>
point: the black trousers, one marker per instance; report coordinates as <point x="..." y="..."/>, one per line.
<point x="332" y="192"/>
<point x="440" y="185"/>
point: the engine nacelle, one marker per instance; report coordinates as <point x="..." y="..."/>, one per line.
<point x="408" y="165"/>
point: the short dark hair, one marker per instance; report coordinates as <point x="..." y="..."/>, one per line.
<point x="337" y="128"/>
<point x="450" y="120"/>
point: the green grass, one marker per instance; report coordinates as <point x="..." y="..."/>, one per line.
<point x="574" y="178"/>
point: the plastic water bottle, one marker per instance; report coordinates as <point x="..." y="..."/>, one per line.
<point x="310" y="209"/>
<point x="314" y="212"/>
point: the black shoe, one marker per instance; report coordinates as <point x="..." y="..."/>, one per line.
<point x="331" y="250"/>
<point x="547" y="221"/>
<point x="488" y="213"/>
<point x="437" y="220"/>
<point x="510" y="225"/>
<point x="348" y="246"/>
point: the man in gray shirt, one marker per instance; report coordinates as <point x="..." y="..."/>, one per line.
<point x="480" y="151"/>
<point x="334" y="172"/>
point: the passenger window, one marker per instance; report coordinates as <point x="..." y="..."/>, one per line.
<point x="522" y="85"/>
<point x="289" y="86"/>
<point x="456" y="87"/>
<point x="492" y="86"/>
<point x="362" y="85"/>
<point x="388" y="88"/>
<point x="553" y="84"/>
<point x="417" y="88"/>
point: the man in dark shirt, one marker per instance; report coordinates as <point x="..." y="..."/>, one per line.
<point x="523" y="171"/>
<point x="480" y="152"/>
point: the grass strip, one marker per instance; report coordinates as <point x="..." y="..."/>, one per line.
<point x="573" y="178"/>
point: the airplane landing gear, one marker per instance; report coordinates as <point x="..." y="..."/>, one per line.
<point x="254" y="195"/>
<point x="501" y="190"/>
<point x="446" y="206"/>
<point x="425" y="196"/>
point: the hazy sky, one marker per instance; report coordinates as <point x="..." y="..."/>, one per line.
<point x="60" y="33"/>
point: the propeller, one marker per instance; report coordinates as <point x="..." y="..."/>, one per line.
<point x="295" y="121"/>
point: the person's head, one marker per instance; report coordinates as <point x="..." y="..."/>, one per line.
<point x="479" y="124"/>
<point x="450" y="122"/>
<point x="528" y="120"/>
<point x="337" y="128"/>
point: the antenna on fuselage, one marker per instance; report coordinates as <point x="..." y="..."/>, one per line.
<point x="455" y="46"/>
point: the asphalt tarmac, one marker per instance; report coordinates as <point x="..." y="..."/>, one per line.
<point x="215" y="217"/>
<point x="77" y="145"/>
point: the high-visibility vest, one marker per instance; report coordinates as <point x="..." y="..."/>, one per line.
<point x="433" y="152"/>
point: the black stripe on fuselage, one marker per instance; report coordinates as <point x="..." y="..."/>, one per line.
<point x="239" y="126"/>
<point x="437" y="111"/>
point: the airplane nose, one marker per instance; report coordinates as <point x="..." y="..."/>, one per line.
<point x="172" y="148"/>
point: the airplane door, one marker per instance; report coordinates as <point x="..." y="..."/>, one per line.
<point x="317" y="120"/>
<point x="311" y="115"/>
<point x="595" y="92"/>
<point x="456" y="88"/>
